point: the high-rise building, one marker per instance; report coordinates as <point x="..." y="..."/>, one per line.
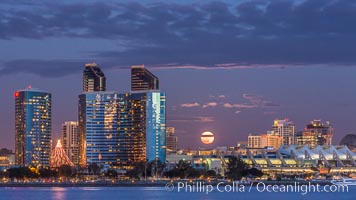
<point x="122" y="129"/>
<point x="145" y="87"/>
<point x="264" y="141"/>
<point x="132" y="131"/>
<point x="33" y="124"/>
<point x="93" y="78"/>
<point x="98" y="128"/>
<point x="315" y="133"/>
<point x="70" y="140"/>
<point x="156" y="126"/>
<point x="142" y="128"/>
<point x="284" y="128"/>
<point x="142" y="79"/>
<point x="171" y="140"/>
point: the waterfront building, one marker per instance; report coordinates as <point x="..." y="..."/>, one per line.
<point x="315" y="133"/>
<point x="156" y="126"/>
<point x="70" y="140"/>
<point x="93" y="78"/>
<point x="302" y="159"/>
<point x="33" y="126"/>
<point x="98" y="128"/>
<point x="264" y="141"/>
<point x="143" y="79"/>
<point x="171" y="140"/>
<point x="284" y="128"/>
<point x="254" y="141"/>
<point x="142" y="128"/>
<point x="287" y="159"/>
<point x="327" y="156"/>
<point x="59" y="157"/>
<point x="124" y="129"/>
<point x="132" y="137"/>
<point x="7" y="158"/>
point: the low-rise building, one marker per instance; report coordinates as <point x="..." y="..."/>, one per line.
<point x="264" y="140"/>
<point x="7" y="158"/>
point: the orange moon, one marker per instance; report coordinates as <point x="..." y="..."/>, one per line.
<point x="207" y="137"/>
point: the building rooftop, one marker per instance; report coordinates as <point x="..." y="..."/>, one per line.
<point x="93" y="64"/>
<point x="138" y="66"/>
<point x="31" y="89"/>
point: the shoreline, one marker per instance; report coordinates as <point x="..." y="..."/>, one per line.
<point x="157" y="184"/>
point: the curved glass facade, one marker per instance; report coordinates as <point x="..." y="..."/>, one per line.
<point x="33" y="127"/>
<point x="122" y="129"/>
<point x="132" y="137"/>
<point x="156" y="126"/>
<point x="98" y="127"/>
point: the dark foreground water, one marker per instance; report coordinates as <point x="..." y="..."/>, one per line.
<point x="155" y="193"/>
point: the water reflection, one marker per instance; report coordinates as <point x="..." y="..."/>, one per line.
<point x="58" y="193"/>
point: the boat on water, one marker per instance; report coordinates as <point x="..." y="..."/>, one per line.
<point x="344" y="181"/>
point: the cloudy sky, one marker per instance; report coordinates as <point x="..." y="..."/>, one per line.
<point x="231" y="68"/>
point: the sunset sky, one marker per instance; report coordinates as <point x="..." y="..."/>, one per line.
<point x="228" y="68"/>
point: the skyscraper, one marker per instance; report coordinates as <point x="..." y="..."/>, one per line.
<point x="121" y="130"/>
<point x="156" y="126"/>
<point x="98" y="128"/>
<point x="284" y="128"/>
<point x="33" y="124"/>
<point x="70" y="140"/>
<point x="132" y="129"/>
<point x="142" y="79"/>
<point x="142" y="134"/>
<point x="171" y="140"/>
<point x="93" y="78"/>
<point x="315" y="133"/>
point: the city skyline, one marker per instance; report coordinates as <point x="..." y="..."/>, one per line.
<point x="226" y="105"/>
<point x="231" y="81"/>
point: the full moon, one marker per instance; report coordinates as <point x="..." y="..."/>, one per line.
<point x="207" y="137"/>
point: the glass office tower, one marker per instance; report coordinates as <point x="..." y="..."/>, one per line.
<point x="142" y="79"/>
<point x="98" y="128"/>
<point x="156" y="126"/>
<point x="132" y="137"/>
<point x="33" y="125"/>
<point x="93" y="78"/>
<point x="142" y="130"/>
<point x="122" y="129"/>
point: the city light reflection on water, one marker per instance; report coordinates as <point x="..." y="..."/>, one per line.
<point x="154" y="193"/>
<point x="58" y="193"/>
